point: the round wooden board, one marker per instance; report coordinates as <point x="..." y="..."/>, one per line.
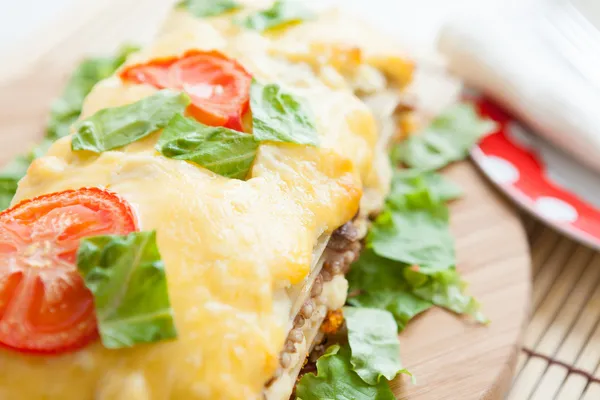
<point x="451" y="358"/>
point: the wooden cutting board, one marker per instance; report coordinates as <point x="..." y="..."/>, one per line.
<point x="451" y="358"/>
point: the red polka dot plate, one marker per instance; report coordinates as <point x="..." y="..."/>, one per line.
<point x="540" y="178"/>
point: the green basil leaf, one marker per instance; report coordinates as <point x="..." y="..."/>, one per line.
<point x="413" y="236"/>
<point x="224" y="151"/>
<point x="447" y="139"/>
<point x="373" y="340"/>
<point x="66" y="109"/>
<point x="127" y="278"/>
<point x="445" y="289"/>
<point x="410" y="181"/>
<point x="208" y="8"/>
<point x="116" y="127"/>
<point x="335" y="380"/>
<point x="280" y="116"/>
<point x="282" y="12"/>
<point x="402" y="304"/>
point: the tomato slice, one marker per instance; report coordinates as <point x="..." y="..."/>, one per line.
<point x="45" y="306"/>
<point x="218" y="86"/>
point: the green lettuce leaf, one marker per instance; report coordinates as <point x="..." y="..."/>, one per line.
<point x="445" y="289"/>
<point x="373" y="340"/>
<point x="280" y="116"/>
<point x="335" y="380"/>
<point x="407" y="290"/>
<point x="224" y="151"/>
<point x="10" y="177"/>
<point x="15" y="170"/>
<point x="422" y="199"/>
<point x="402" y="304"/>
<point x="409" y="264"/>
<point x="127" y="278"/>
<point x="8" y="188"/>
<point x="282" y="12"/>
<point x="116" y="127"/>
<point x="447" y="139"/>
<point x="208" y="8"/>
<point x="413" y="236"/>
<point x="66" y="109"/>
<point x="381" y="283"/>
<point x="411" y="181"/>
<point x="374" y="273"/>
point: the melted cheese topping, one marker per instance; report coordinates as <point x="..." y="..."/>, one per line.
<point x="232" y="248"/>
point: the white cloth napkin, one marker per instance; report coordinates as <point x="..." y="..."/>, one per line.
<point x="522" y="65"/>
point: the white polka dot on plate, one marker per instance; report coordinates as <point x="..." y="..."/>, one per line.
<point x="520" y="136"/>
<point x="555" y="209"/>
<point x="500" y="170"/>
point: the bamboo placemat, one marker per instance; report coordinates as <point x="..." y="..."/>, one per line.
<point x="560" y="358"/>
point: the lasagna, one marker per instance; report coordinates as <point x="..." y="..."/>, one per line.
<point x="254" y="249"/>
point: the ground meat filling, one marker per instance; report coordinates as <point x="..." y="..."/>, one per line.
<point x="341" y="251"/>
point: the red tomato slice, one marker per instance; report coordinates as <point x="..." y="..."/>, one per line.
<point x="45" y="306"/>
<point x="218" y="86"/>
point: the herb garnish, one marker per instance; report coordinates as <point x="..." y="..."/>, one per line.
<point x="115" y="127"/>
<point x="224" y="151"/>
<point x="447" y="139"/>
<point x="126" y="275"/>
<point x="336" y="379"/>
<point x="280" y="116"/>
